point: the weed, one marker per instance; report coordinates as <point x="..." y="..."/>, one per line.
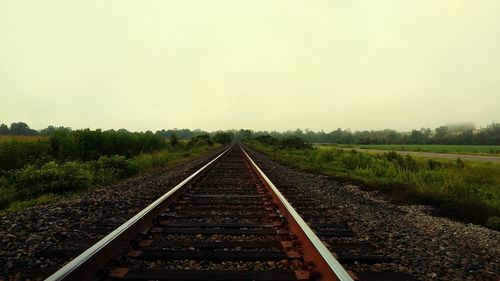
<point x="468" y="191"/>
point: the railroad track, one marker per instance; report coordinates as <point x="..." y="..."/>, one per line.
<point x="225" y="222"/>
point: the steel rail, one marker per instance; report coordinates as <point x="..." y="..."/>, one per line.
<point x="314" y="249"/>
<point x="80" y="264"/>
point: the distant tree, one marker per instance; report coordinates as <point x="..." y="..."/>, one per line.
<point x="52" y="129"/>
<point x="267" y="139"/>
<point x="223" y="137"/>
<point x="420" y="136"/>
<point x="21" y="128"/>
<point x="441" y="135"/>
<point x="4" y="129"/>
<point x="245" y="134"/>
<point x="466" y="137"/>
<point x="200" y="140"/>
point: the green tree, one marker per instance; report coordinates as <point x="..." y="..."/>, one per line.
<point x="21" y="128"/>
<point x="223" y="137"/>
<point x="4" y="129"/>
<point x="174" y="140"/>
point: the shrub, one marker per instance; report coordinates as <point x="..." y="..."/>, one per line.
<point x="108" y="168"/>
<point x="174" y="140"/>
<point x="405" y="163"/>
<point x="294" y="143"/>
<point x="15" y="154"/>
<point x="199" y="140"/>
<point x="86" y="145"/>
<point x="51" y="178"/>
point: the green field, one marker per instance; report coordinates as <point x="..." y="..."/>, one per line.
<point x="465" y="190"/>
<point x="435" y="148"/>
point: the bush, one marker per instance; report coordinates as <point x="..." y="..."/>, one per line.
<point x="15" y="154"/>
<point x="51" y="178"/>
<point x="81" y="145"/>
<point x="107" y="169"/>
<point x="294" y="143"/>
<point x="86" y="145"/>
<point x="405" y="163"/>
<point x="174" y="140"/>
<point x="199" y="140"/>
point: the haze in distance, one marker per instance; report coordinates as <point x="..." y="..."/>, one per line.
<point x="262" y="65"/>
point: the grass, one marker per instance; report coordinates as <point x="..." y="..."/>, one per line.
<point x="463" y="190"/>
<point x="41" y="200"/>
<point x="32" y="186"/>
<point x="22" y="138"/>
<point x="436" y="148"/>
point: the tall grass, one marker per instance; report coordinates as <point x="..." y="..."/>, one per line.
<point x="22" y="138"/>
<point x="82" y="145"/>
<point x="453" y="186"/>
<point x="52" y="178"/>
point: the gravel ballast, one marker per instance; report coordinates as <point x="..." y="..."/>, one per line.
<point x="425" y="246"/>
<point x="82" y="220"/>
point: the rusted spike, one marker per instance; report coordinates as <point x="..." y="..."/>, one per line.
<point x="293" y="254"/>
<point x="145" y="243"/>
<point x="133" y="253"/>
<point x="302" y="274"/>
<point x="286" y="244"/>
<point x="118" y="272"/>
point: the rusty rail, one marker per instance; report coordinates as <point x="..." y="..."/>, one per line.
<point x="314" y="249"/>
<point x="86" y="264"/>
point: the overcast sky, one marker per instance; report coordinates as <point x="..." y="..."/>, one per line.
<point x="260" y="64"/>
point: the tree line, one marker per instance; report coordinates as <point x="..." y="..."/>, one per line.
<point x="80" y="145"/>
<point x="64" y="145"/>
<point x="449" y="135"/>
<point x="22" y="129"/>
<point x="463" y="134"/>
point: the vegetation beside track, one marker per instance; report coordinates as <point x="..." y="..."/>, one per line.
<point x="434" y="148"/>
<point x="43" y="170"/>
<point x="465" y="190"/>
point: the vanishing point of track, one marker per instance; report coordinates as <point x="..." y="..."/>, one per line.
<point x="227" y="221"/>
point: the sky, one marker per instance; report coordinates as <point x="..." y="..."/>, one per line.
<point x="260" y="64"/>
